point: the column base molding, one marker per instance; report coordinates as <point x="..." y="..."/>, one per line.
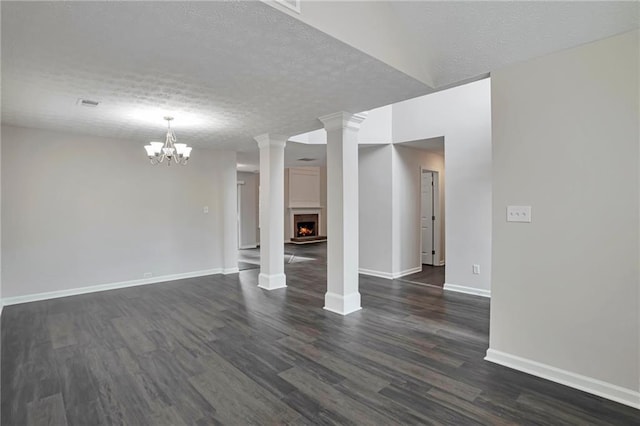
<point x="272" y="282"/>
<point x="343" y="305"/>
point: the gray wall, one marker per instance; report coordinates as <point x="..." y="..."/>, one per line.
<point x="463" y="116"/>
<point x="375" y="232"/>
<point x="79" y="211"/>
<point x="566" y="141"/>
<point x="323" y="198"/>
<point x="249" y="209"/>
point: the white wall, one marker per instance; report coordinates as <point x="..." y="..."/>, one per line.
<point x="249" y="209"/>
<point x="566" y="286"/>
<point x="0" y="233"/>
<point x="375" y="210"/>
<point x="323" y="199"/>
<point x="350" y="21"/>
<point x="377" y="127"/>
<point x="463" y="116"/>
<point x="407" y="164"/>
<point x="80" y="211"/>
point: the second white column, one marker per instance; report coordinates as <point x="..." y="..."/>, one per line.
<point x="342" y="295"/>
<point x="271" y="211"/>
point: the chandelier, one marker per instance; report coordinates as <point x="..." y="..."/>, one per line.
<point x="169" y="149"/>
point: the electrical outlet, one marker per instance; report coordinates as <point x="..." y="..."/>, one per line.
<point x="476" y="269"/>
<point x="205" y="209"/>
<point x="518" y="213"/>
<point x="148" y="274"/>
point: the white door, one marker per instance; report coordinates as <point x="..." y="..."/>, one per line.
<point x="427" y="218"/>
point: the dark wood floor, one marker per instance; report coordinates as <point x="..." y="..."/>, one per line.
<point x="432" y="275"/>
<point x="219" y="350"/>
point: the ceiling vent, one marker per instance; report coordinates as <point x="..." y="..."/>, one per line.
<point x="87" y="102"/>
<point x="306" y="159"/>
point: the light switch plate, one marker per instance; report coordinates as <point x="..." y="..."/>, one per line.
<point x="205" y="209"/>
<point x="518" y="213"/>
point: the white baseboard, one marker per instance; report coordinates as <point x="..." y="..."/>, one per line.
<point x="248" y="246"/>
<point x="389" y="275"/>
<point x="441" y="263"/>
<point x="584" y="383"/>
<point x="343" y="305"/>
<point x="407" y="272"/>
<point x="228" y="271"/>
<point x="103" y="287"/>
<point x="467" y="290"/>
<point x="373" y="273"/>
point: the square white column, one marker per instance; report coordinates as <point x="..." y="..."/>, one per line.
<point x="342" y="295"/>
<point x="271" y="211"/>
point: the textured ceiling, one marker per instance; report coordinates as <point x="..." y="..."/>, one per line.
<point x="227" y="71"/>
<point x="460" y="40"/>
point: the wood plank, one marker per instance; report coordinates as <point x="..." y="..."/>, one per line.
<point x="47" y="411"/>
<point x="236" y="398"/>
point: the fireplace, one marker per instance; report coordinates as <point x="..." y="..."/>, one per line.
<point x="305" y="226"/>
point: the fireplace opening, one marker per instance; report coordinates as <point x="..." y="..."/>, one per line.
<point x="306" y="229"/>
<point x="305" y="226"/>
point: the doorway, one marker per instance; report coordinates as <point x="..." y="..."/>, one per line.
<point x="430" y="217"/>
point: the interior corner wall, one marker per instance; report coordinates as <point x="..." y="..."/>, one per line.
<point x="249" y="209"/>
<point x="407" y="182"/>
<point x="323" y="199"/>
<point x="463" y="116"/>
<point x="349" y="21"/>
<point x="565" y="292"/>
<point x="375" y="210"/>
<point x="0" y="235"/>
<point x="80" y="211"/>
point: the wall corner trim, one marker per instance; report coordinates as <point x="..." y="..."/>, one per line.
<point x="104" y="287"/>
<point x="584" y="383"/>
<point x="467" y="290"/>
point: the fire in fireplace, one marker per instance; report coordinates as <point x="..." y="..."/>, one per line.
<point x="305" y="225"/>
<point x="306" y="229"/>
